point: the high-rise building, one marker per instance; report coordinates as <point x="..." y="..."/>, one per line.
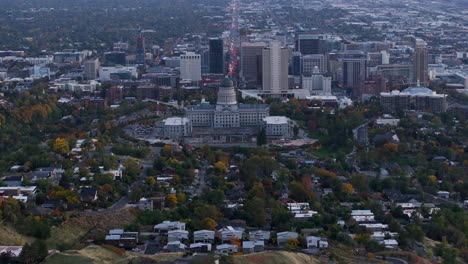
<point x="91" y="69"/>
<point x="115" y="58"/>
<point x="309" y="62"/>
<point x="354" y="69"/>
<point x="296" y="64"/>
<point x="251" y="63"/>
<point x="205" y="61"/>
<point x="140" y="49"/>
<point x="275" y="68"/>
<point x="216" y="55"/>
<point x="190" y="66"/>
<point x="420" y="63"/>
<point x="308" y="44"/>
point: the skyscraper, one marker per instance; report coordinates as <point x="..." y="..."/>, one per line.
<point x="308" y="44"/>
<point x="140" y="49"/>
<point x="91" y="68"/>
<point x="296" y="64"/>
<point x="190" y="66"/>
<point x="354" y="69"/>
<point x="420" y="63"/>
<point x="216" y="47"/>
<point x="251" y="63"/>
<point x="275" y="68"/>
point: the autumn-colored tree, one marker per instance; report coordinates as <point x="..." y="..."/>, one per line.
<point x="171" y="200"/>
<point x="61" y="146"/>
<point x="105" y="189"/>
<point x="167" y="149"/>
<point x="150" y="180"/>
<point x="181" y="197"/>
<point x="325" y="173"/>
<point x="307" y="182"/>
<point x="291" y="244"/>
<point x="220" y="167"/>
<point x="209" y="224"/>
<point x="432" y="179"/>
<point x="347" y="189"/>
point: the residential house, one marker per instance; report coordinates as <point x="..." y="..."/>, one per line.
<point x="253" y="246"/>
<point x="166" y="226"/>
<point x="390" y="243"/>
<point x="301" y="211"/>
<point x="226" y="249"/>
<point x="204" y="236"/>
<point x="178" y="235"/>
<point x="200" y="247"/>
<point x="175" y="246"/>
<point x="228" y="233"/>
<point x="316" y="242"/>
<point x="14" y="251"/>
<point x="43" y="173"/>
<point x="120" y="238"/>
<point x="443" y="194"/>
<point x="381" y="236"/>
<point x="88" y="194"/>
<point x="145" y="204"/>
<point x="362" y="215"/>
<point x="13" y="181"/>
<point x="282" y="237"/>
<point x="259" y="235"/>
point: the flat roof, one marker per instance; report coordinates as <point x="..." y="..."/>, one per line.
<point x="276" y="120"/>
<point x="176" y="121"/>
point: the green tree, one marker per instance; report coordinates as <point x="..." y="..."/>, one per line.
<point x="261" y="137"/>
<point x="34" y="253"/>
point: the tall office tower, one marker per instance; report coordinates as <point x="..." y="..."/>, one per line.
<point x="308" y="44"/>
<point x="140" y="50"/>
<point x="296" y="64"/>
<point x="354" y="69"/>
<point x="275" y="68"/>
<point x="420" y="63"/>
<point x="216" y="55"/>
<point x="309" y="62"/>
<point x="316" y="83"/>
<point x="251" y="64"/>
<point x="91" y="69"/>
<point x="115" y="58"/>
<point x="205" y="61"/>
<point x="190" y="66"/>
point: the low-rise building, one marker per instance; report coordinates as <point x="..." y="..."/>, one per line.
<point x="226" y="249"/>
<point x="120" y="238"/>
<point x="177" y="127"/>
<point x="278" y="127"/>
<point x="283" y="237"/>
<point x="253" y="246"/>
<point x="200" y="247"/>
<point x="204" y="236"/>
<point x="166" y="226"/>
<point x="178" y="235"/>
<point x="316" y="242"/>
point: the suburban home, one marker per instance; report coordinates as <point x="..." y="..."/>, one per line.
<point x="168" y="170"/>
<point x="175" y="246"/>
<point x="282" y="237"/>
<point x="226" y="249"/>
<point x="259" y="235"/>
<point x="228" y="233"/>
<point x="53" y="204"/>
<point x="43" y="173"/>
<point x="14" y="251"/>
<point x="13" y="181"/>
<point x="362" y="215"/>
<point x="443" y="194"/>
<point x="200" y="247"/>
<point x="20" y="190"/>
<point x="177" y="235"/>
<point x="374" y="226"/>
<point x="316" y="242"/>
<point x="253" y="246"/>
<point x="166" y="226"/>
<point x="88" y="194"/>
<point x="390" y="243"/>
<point x="145" y="204"/>
<point x="380" y="236"/>
<point x="120" y="238"/>
<point x="204" y="236"/>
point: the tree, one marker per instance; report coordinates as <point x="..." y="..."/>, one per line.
<point x="34" y="253"/>
<point x="209" y="224"/>
<point x="348" y="189"/>
<point x="61" y="146"/>
<point x="132" y="169"/>
<point x="150" y="180"/>
<point x="172" y="200"/>
<point x="291" y="244"/>
<point x="220" y="168"/>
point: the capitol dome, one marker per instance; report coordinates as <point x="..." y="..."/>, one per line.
<point x="227" y="93"/>
<point x="417" y="90"/>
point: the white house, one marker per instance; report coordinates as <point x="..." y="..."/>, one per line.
<point x="316" y="242"/>
<point x="282" y="237"/>
<point x="177" y="235"/>
<point x="259" y="235"/>
<point x="226" y="249"/>
<point x="166" y="226"/>
<point x="253" y="246"/>
<point x="205" y="236"/>
<point x="200" y="247"/>
<point x="228" y="233"/>
<point x="175" y="246"/>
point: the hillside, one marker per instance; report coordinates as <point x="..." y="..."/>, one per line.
<point x="9" y="237"/>
<point x="276" y="257"/>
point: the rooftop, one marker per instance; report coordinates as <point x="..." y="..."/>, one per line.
<point x="276" y="120"/>
<point x="176" y="121"/>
